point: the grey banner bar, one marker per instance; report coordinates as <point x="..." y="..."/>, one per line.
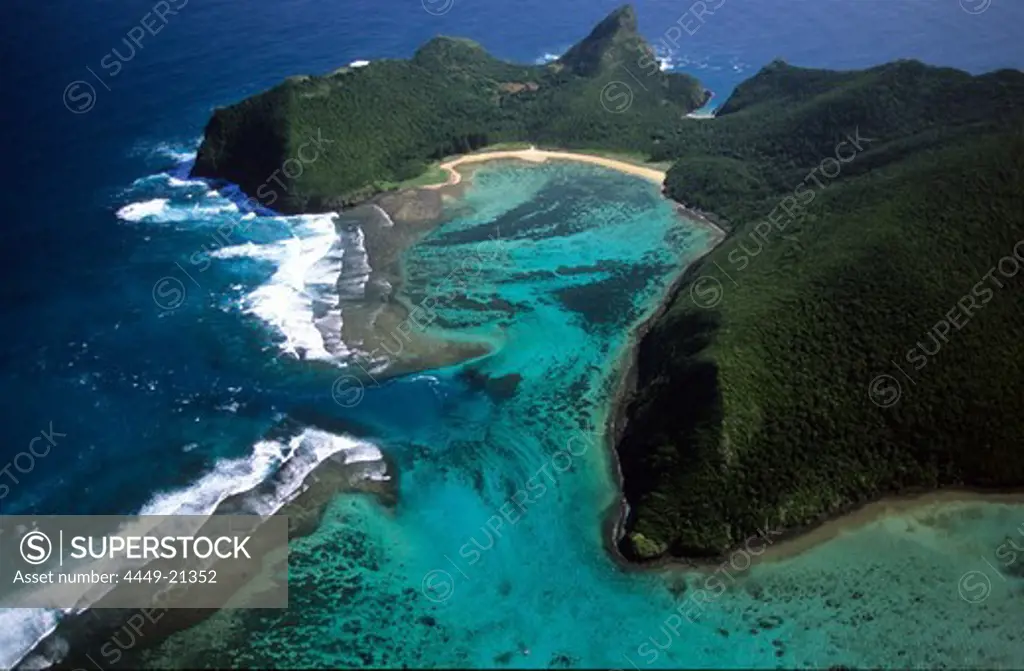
<point x="143" y="561"/>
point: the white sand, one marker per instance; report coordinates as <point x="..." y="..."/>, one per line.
<point x="535" y="155"/>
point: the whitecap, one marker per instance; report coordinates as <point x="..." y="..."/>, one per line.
<point x="162" y="210"/>
<point x="177" y="152"/>
<point x="163" y="179"/>
<point x="272" y="474"/>
<point x="270" y="477"/>
<point x="251" y="250"/>
<point x="301" y="300"/>
<point x="175" y="181"/>
<point x="228" y="477"/>
<point x="141" y="210"/>
<point x="387" y="220"/>
<point x="376" y="472"/>
<point x="21" y="629"/>
<point x="304" y="453"/>
<point x="547" y="57"/>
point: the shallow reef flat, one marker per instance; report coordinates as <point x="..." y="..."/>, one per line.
<point x="503" y="480"/>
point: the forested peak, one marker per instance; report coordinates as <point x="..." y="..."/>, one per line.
<point x="443" y="50"/>
<point x="621" y="19"/>
<point x="615" y="39"/>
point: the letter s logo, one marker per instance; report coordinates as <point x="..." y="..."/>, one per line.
<point x="706" y="292"/>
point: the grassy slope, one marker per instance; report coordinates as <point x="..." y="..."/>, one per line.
<point x="757" y="410"/>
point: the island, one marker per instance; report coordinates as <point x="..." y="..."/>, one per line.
<point x="854" y="336"/>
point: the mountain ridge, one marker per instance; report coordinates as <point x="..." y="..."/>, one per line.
<point x="390" y="119"/>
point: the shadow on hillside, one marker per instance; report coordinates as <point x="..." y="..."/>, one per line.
<point x="664" y="415"/>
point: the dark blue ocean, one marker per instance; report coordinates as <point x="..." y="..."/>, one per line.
<point x="142" y="407"/>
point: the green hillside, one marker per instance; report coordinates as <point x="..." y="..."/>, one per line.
<point x="385" y="122"/>
<point x="755" y="402"/>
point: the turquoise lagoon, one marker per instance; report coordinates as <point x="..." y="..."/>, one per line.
<point x="493" y="555"/>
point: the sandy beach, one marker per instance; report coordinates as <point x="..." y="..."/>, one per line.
<point x="535" y="155"/>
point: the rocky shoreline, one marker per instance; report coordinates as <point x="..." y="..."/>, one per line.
<point x="616" y="516"/>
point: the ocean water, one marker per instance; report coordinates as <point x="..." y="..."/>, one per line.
<point x="159" y="386"/>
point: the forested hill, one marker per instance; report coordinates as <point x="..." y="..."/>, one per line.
<point x="858" y="332"/>
<point x="385" y="122"/>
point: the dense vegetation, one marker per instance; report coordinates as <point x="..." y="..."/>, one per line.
<point x="385" y="122"/>
<point x="763" y="407"/>
<point x="755" y="402"/>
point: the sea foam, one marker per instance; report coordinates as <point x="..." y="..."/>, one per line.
<point x="300" y="300"/>
<point x="305" y="284"/>
<point x="266" y="480"/>
<point x="21" y="629"/>
<point x="283" y="463"/>
<point x="161" y="210"/>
